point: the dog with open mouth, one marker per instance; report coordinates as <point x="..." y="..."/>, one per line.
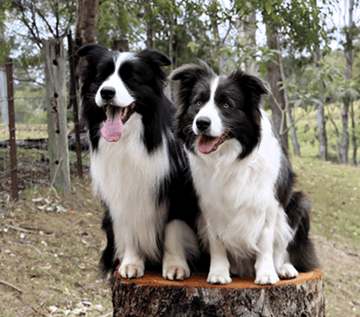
<point x="252" y="222"/>
<point x="139" y="169"/>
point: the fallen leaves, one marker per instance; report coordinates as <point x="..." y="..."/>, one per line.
<point x="48" y="205"/>
<point x="83" y="308"/>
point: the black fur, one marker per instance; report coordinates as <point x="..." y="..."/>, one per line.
<point x="301" y="249"/>
<point x="243" y="92"/>
<point x="144" y="77"/>
<point x="239" y="90"/>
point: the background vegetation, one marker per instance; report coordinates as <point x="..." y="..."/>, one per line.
<point x="308" y="51"/>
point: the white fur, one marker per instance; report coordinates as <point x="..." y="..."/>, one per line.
<point x="122" y="96"/>
<point x="128" y="178"/>
<point x="210" y="111"/>
<point x="241" y="213"/>
<point x="180" y="244"/>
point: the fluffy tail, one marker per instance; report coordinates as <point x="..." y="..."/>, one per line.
<point x="301" y="249"/>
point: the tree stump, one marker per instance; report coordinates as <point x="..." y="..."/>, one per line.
<point x="152" y="295"/>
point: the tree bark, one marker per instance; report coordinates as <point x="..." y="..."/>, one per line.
<point x="353" y="135"/>
<point x="345" y="134"/>
<point x="294" y="139"/>
<point x="153" y="296"/>
<point x="349" y="75"/>
<point x="120" y="45"/>
<point x="320" y="117"/>
<point x="246" y="30"/>
<point x="149" y="27"/>
<point x="218" y="41"/>
<point x="86" y="23"/>
<point x="55" y="77"/>
<point x="274" y="76"/>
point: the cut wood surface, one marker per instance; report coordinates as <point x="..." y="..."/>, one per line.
<point x="152" y="295"/>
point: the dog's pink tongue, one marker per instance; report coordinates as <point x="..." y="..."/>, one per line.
<point x="206" y="144"/>
<point x="112" y="129"/>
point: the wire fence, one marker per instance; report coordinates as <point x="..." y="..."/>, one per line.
<point x="24" y="136"/>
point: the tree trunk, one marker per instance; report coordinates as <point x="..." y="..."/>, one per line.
<point x="216" y="34"/>
<point x="349" y="65"/>
<point x="153" y="296"/>
<point x="345" y="135"/>
<point x="120" y="45"/>
<point x="149" y="27"/>
<point x="277" y="103"/>
<point x="86" y="23"/>
<point x="55" y="77"/>
<point x="294" y="139"/>
<point x="353" y="135"/>
<point x="320" y="117"/>
<point x="246" y="31"/>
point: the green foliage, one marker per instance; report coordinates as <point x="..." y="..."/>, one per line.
<point x="4" y="46"/>
<point x="115" y="22"/>
<point x="30" y="107"/>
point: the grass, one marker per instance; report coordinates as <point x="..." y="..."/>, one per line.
<point x="27" y="131"/>
<point x="56" y="263"/>
<point x="335" y="192"/>
<point x="56" y="266"/>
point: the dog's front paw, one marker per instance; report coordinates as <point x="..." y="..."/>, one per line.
<point x="131" y="270"/>
<point x="267" y="277"/>
<point x="176" y="272"/>
<point x="219" y="277"/>
<point x="287" y="271"/>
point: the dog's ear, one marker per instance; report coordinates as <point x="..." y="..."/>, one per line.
<point x="252" y="87"/>
<point x="154" y="57"/>
<point x="189" y="74"/>
<point x="92" y="52"/>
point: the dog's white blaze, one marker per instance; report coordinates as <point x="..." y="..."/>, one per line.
<point x="238" y="199"/>
<point x="122" y="96"/>
<point x="128" y="178"/>
<point x="210" y="111"/>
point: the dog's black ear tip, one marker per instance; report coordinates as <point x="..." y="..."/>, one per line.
<point x="166" y="61"/>
<point x="155" y="56"/>
<point x="90" y="48"/>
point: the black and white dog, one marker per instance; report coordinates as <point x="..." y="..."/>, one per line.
<point x="139" y="169"/>
<point x="252" y="221"/>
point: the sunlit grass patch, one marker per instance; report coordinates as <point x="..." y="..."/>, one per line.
<point x="335" y="192"/>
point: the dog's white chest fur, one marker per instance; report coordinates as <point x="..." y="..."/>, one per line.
<point x="128" y="178"/>
<point x="238" y="196"/>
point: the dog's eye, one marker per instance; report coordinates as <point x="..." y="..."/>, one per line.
<point x="198" y="103"/>
<point x="226" y="105"/>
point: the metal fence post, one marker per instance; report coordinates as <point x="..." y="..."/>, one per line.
<point x="10" y="97"/>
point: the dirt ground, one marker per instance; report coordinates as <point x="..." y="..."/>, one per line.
<point x="50" y="247"/>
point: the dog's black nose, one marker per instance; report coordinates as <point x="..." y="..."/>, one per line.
<point x="203" y="123"/>
<point x="107" y="93"/>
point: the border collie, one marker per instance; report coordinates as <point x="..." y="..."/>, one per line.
<point x="139" y="169"/>
<point x="252" y="222"/>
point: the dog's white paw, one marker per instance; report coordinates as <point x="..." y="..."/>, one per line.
<point x="131" y="270"/>
<point x="287" y="271"/>
<point x="266" y="278"/>
<point x="219" y="277"/>
<point x="176" y="272"/>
